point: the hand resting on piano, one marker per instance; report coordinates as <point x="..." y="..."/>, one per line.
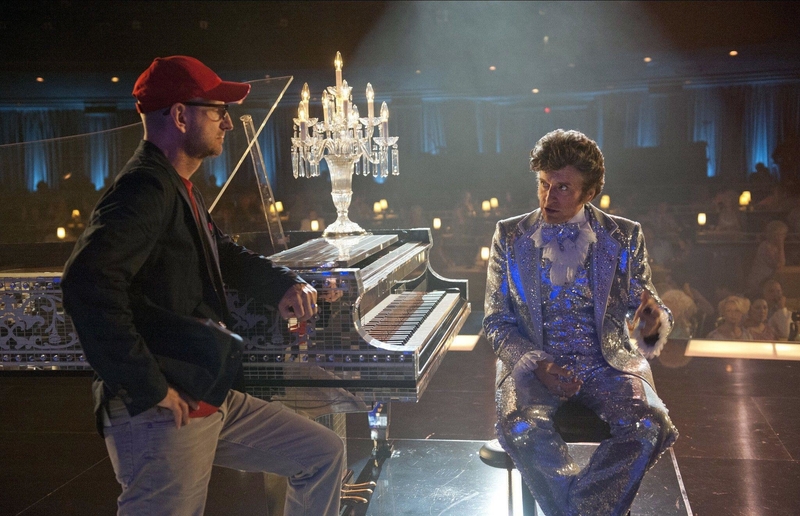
<point x="299" y="302"/>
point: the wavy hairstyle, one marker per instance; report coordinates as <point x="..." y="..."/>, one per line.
<point x="558" y="149"/>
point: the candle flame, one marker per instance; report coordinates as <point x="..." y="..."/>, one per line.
<point x="338" y="62"/>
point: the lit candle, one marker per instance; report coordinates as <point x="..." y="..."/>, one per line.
<point x="745" y="198"/>
<point x="279" y="206"/>
<point x="325" y="104"/>
<point x="384" y="120"/>
<point x="605" y="202"/>
<point x="341" y="94"/>
<point x="338" y="64"/>
<point x="305" y="94"/>
<point x="437" y="223"/>
<point x="486" y="206"/>
<point x="376" y="207"/>
<point x="301" y="115"/>
<point x="315" y="225"/>
<point x="701" y="219"/>
<point x="484" y="253"/>
<point x="61" y="233"/>
<point x="370" y="103"/>
<point x="384" y="204"/>
<point x="494" y="202"/>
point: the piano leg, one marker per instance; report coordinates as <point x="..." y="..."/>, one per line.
<point x="356" y="497"/>
<point x="379" y="419"/>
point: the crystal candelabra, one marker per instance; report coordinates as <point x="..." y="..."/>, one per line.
<point x="346" y="142"/>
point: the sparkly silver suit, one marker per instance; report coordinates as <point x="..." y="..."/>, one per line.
<point x="583" y="327"/>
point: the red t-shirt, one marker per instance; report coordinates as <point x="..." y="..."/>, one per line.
<point x="204" y="409"/>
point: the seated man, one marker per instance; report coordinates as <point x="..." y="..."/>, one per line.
<point x="567" y="286"/>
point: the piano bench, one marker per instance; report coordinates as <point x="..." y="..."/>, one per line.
<point x="574" y="423"/>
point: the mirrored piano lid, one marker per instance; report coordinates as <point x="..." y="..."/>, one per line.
<point x="333" y="253"/>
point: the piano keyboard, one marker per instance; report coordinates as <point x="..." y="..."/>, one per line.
<point x="410" y="318"/>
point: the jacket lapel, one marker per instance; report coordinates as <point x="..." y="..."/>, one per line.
<point x="205" y="228"/>
<point x="210" y="252"/>
<point x="605" y="258"/>
<point x="529" y="272"/>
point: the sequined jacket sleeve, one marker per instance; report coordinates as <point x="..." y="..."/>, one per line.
<point x="641" y="280"/>
<point x="501" y="322"/>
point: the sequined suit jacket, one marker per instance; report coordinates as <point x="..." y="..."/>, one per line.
<point x="619" y="272"/>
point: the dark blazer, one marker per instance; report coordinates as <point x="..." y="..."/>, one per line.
<point x="145" y="289"/>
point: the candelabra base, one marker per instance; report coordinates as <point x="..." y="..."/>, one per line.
<point x="343" y="228"/>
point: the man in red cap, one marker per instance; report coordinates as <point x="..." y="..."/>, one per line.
<point x="145" y="289"/>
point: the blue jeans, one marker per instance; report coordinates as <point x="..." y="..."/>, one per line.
<point x="164" y="470"/>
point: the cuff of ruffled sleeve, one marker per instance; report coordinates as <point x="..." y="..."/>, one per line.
<point x="538" y="356"/>
<point x="651" y="347"/>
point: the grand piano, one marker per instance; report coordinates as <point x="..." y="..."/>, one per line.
<point x="386" y="321"/>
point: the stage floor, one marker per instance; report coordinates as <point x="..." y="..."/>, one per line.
<point x="447" y="478"/>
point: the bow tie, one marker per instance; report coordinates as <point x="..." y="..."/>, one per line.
<point x="561" y="232"/>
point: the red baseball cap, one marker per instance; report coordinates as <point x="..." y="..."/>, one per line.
<point x="173" y="79"/>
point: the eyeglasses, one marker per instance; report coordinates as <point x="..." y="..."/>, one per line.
<point x="214" y="115"/>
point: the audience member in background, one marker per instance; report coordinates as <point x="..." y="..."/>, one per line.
<point x="779" y="199"/>
<point x="780" y="318"/>
<point x="465" y="206"/>
<point x="770" y="256"/>
<point x="684" y="310"/>
<point x="703" y="309"/>
<point x="728" y="215"/>
<point x="361" y="212"/>
<point x="704" y="306"/>
<point x="666" y="246"/>
<point x="415" y="218"/>
<point x="793" y="238"/>
<point x="732" y="310"/>
<point x="761" y="183"/>
<point x="756" y="321"/>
